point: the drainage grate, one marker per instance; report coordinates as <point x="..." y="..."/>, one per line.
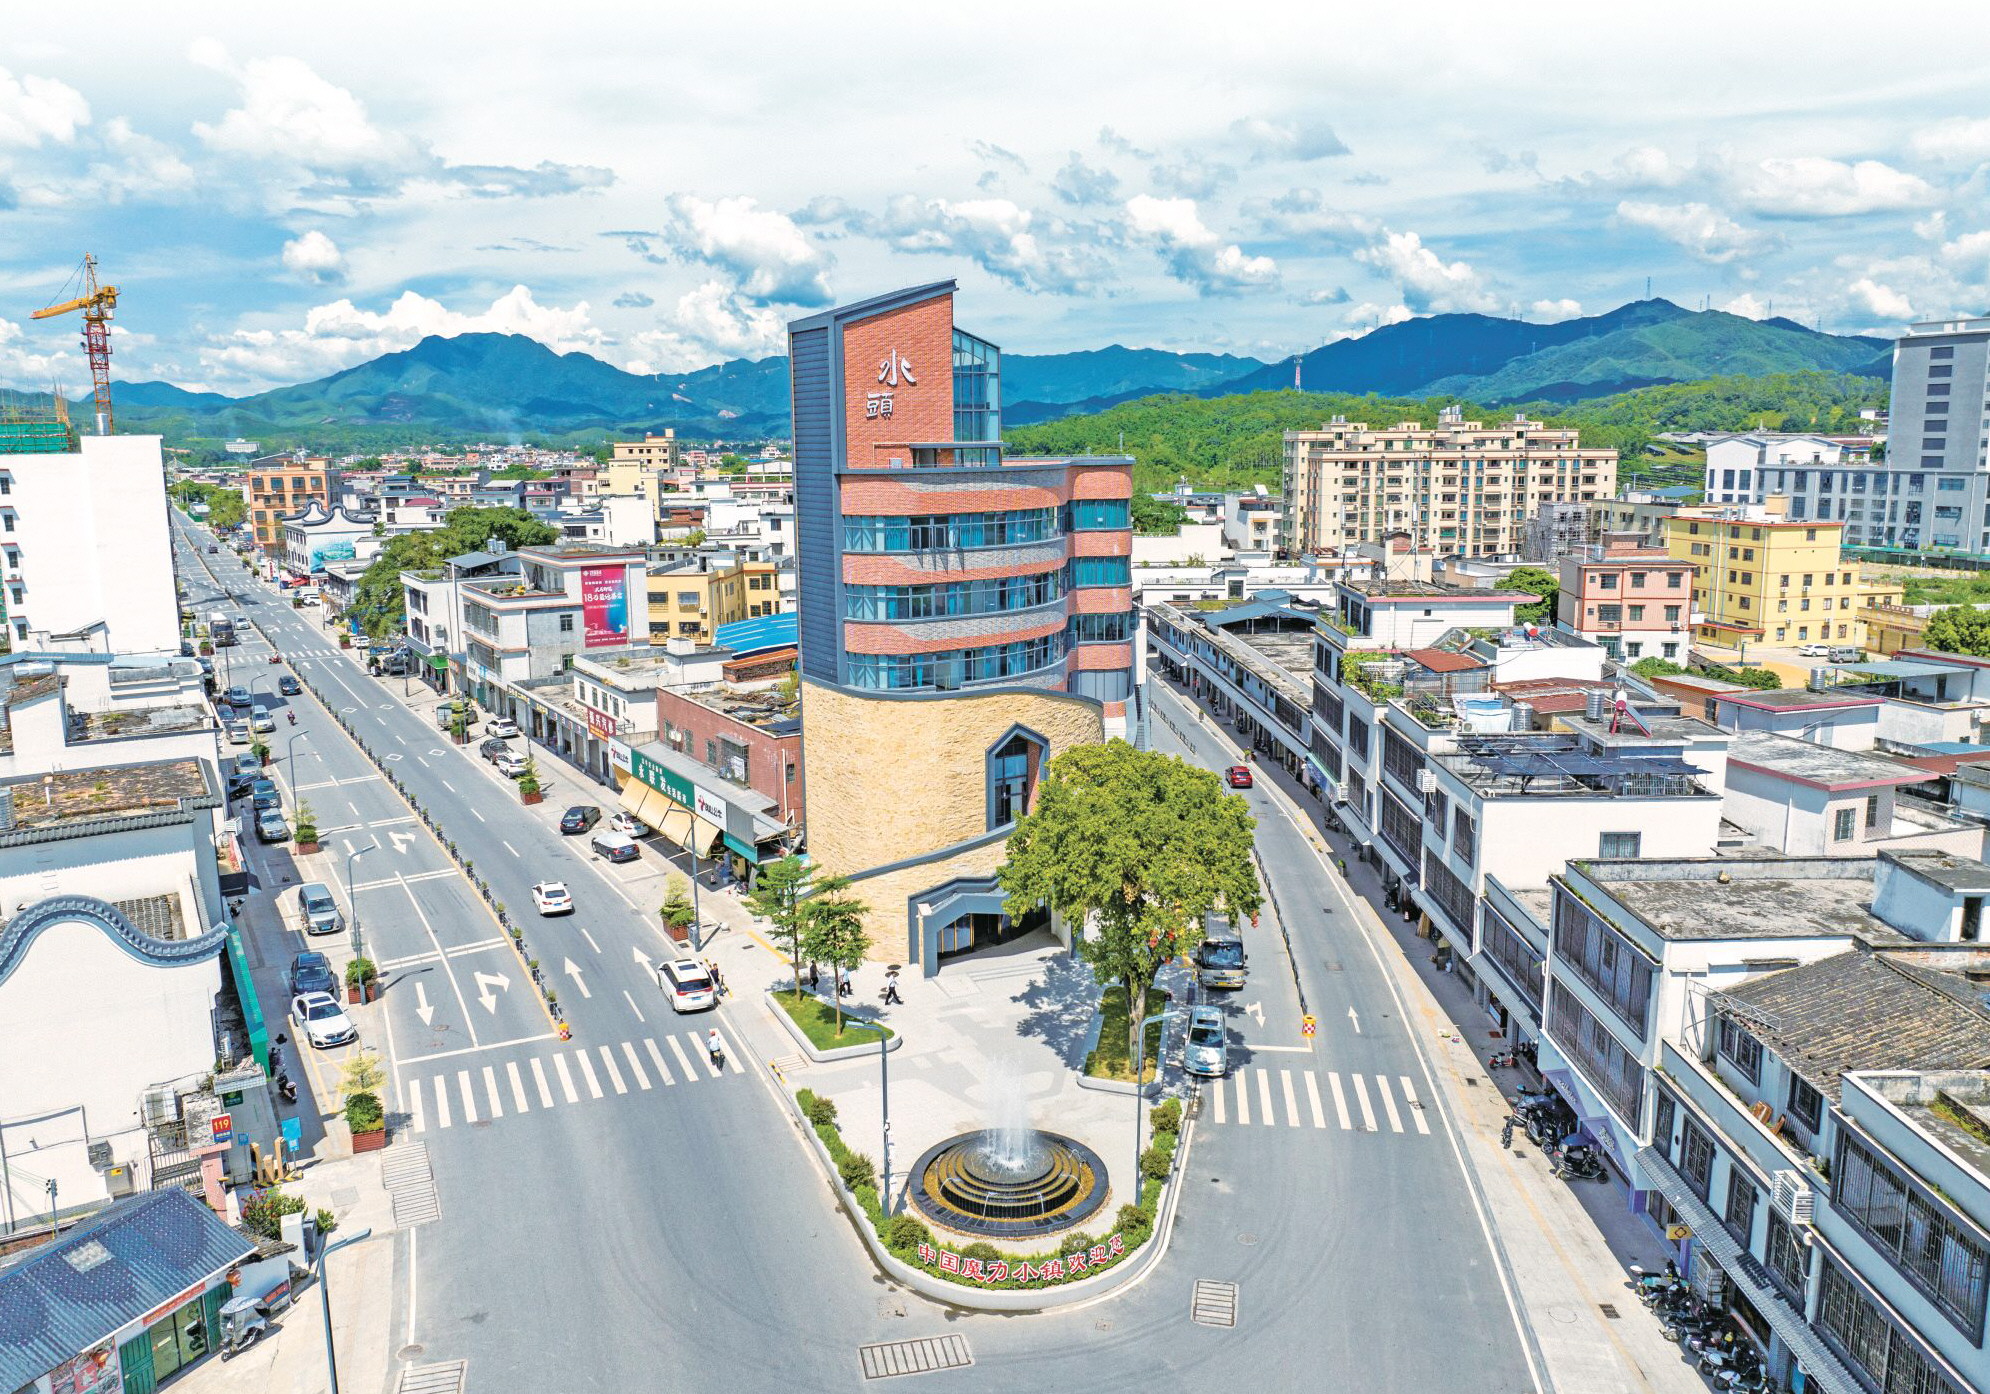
<point x="889" y="1358"/>
<point x="404" y="1169"/>
<point x="1214" y="1303"/>
<point x="445" y="1378"/>
<point x="1609" y="1309"/>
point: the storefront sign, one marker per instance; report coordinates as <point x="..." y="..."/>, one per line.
<point x="224" y="1127"/>
<point x="712" y="810"/>
<point x="604" y="605"/>
<point x="650" y="772"/>
<point x="1060" y="1269"/>
<point x="600" y="723"/>
<point x="95" y="1371"/>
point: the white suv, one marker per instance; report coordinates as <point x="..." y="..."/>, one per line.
<point x="686" y="983"/>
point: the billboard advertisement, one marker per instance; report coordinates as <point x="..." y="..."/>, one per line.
<point x="604" y="605"/>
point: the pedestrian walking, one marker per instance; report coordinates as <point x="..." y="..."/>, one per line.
<point x="718" y="978"/>
<point x="891" y="997"/>
<point x="814" y="978"/>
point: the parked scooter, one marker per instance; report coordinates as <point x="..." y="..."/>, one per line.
<point x="246" y="1316"/>
<point x="1580" y="1162"/>
<point x="286" y="1088"/>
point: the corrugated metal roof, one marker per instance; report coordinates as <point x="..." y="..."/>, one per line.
<point x="125" y="1261"/>
<point x="757" y="635"/>
<point x="1898" y="670"/>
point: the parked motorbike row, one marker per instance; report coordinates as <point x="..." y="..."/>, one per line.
<point x="1552" y="1127"/>
<point x="1704" y="1332"/>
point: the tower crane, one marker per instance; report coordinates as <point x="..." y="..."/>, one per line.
<point x="96" y="302"/>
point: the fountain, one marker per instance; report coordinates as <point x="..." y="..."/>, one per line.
<point x="1008" y="1181"/>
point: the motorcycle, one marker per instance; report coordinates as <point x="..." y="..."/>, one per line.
<point x="286" y="1088"/>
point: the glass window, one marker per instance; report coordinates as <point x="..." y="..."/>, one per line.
<point x="1945" y="1258"/>
<point x="1741" y="1050"/>
<point x="1844" y="824"/>
<point x="1619" y="845"/>
<point x="1742" y="1196"/>
<point x="1806" y="1104"/>
<point x="1101" y="571"/>
<point x="1011" y="767"/>
<point x="1092" y="515"/>
<point x="1602" y="958"/>
<point x="1092" y="629"/>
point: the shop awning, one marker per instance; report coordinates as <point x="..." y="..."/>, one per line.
<point x="646" y="805"/>
<point x="685" y="828"/>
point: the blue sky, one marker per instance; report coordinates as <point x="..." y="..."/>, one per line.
<point x="280" y="197"/>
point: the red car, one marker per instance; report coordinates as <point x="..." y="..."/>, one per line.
<point x="1239" y="776"/>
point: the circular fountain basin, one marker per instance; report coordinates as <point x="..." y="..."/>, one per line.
<point x="988" y="1184"/>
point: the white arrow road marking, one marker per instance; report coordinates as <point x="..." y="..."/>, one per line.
<point x="485" y="982"/>
<point x="1256" y="1009"/>
<point x="647" y="966"/>
<point x="402" y="841"/>
<point x="422" y="1008"/>
<point x="572" y="970"/>
<point x="1355" y="1019"/>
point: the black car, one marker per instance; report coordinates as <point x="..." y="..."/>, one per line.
<point x="312" y="972"/>
<point x="493" y="748"/>
<point x="579" y="818"/>
<point x="289" y="686"/>
<point x="242" y="773"/>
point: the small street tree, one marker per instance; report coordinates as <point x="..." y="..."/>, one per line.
<point x="777" y="899"/>
<point x="676" y="909"/>
<point x="832" y="931"/>
<point x="1534" y="580"/>
<point x="1135" y="848"/>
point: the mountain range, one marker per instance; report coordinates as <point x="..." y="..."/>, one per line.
<point x="506" y="385"/>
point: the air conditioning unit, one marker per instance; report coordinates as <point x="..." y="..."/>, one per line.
<point x="1793" y="1198"/>
<point x="1425" y="781"/>
<point x="100" y="1155"/>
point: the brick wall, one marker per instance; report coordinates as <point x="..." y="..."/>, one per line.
<point x="923" y="411"/>
<point x="766" y="753"/>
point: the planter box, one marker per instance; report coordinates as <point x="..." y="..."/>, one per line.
<point x="524" y="797"/>
<point x="370" y="1141"/>
<point x="865" y="1045"/>
<point x="678" y="935"/>
<point x="345" y="641"/>
<point x="357" y="994"/>
<point x="306" y="848"/>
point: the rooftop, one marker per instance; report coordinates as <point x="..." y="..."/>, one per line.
<point x="1689" y="898"/>
<point x="1950" y="1106"/>
<point x="1389" y="589"/>
<point x="1538" y="766"/>
<point x="1811" y="763"/>
<point x="1551" y="696"/>
<point x="1797" y="699"/>
<point x="1656" y="730"/>
<point x="1945" y="869"/>
<point x="765" y="708"/>
<point x="1863" y="1011"/>
<point x="69" y="798"/>
<point x="122" y="722"/>
<point x="1443" y="661"/>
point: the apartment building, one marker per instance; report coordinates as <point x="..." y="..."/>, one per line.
<point x="692" y="598"/>
<point x="1460" y="487"/>
<point x="1763" y="577"/>
<point x="1635" y="603"/>
<point x="1750" y="467"/>
<point x="280" y="485"/>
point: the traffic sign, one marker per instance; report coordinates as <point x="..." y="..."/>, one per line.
<point x="1307" y="1026"/>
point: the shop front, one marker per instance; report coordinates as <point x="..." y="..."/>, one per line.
<point x="690" y="807"/>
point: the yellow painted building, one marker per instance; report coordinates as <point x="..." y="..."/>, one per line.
<point x="1762" y="579"/>
<point x="692" y="600"/>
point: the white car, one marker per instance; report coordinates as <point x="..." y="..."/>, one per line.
<point x="1814" y="651"/>
<point x="628" y="825"/>
<point x="511" y="763"/>
<point x="502" y="727"/>
<point x="321" y="1021"/>
<point x="552" y="898"/>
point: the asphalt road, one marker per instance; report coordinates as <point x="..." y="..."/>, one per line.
<point x="602" y="1229"/>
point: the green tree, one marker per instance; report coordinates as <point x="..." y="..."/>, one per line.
<point x="1656" y="668"/>
<point x="379" y="601"/>
<point x="776" y="897"/>
<point x="676" y="910"/>
<point x="1533" y="580"/>
<point x="1958" y="629"/>
<point x="832" y="931"/>
<point x="732" y="463"/>
<point x="1154" y="517"/>
<point x="1137" y="848"/>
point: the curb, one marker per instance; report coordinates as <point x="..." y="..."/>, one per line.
<point x="863" y="1050"/>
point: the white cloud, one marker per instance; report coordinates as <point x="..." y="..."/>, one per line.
<point x="340" y="334"/>
<point x="315" y="257"/>
<point x="1707" y="233"/>
<point x="1649" y="167"/>
<point x="772" y="258"/>
<point x="26" y="361"/>
<point x="1306" y="213"/>
<point x="1747" y="305"/>
<point x="290" y="114"/>
<point x="1080" y="183"/>
<point x="36" y="109"/>
<point x="1195" y="255"/>
<point x="709" y="324"/>
<point x="1291" y="140"/>
<point x="1879" y="300"/>
<point x="1031" y="251"/>
<point x="1968" y="257"/>
<point x="1192" y="177"/>
<point x="1960" y="139"/>
<point x="1555" y="311"/>
<point x="1813" y="187"/>
<point x="1429" y="283"/>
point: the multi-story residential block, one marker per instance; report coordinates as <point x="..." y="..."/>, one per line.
<point x="1803" y="799"/>
<point x="963" y="605"/>
<point x="1762" y="577"/>
<point x="1750" y="468"/>
<point x="1460" y="487"/>
<point x="315" y="535"/>
<point x="85" y="553"/>
<point x="691" y="599"/>
<point x="1251" y="522"/>
<point x="280" y="485"/>
<point x="1633" y="602"/>
<point x="1252" y="664"/>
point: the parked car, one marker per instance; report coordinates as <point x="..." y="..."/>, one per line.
<point x="1844" y="655"/>
<point x="261" y="722"/>
<point x="552" y="898"/>
<point x="1220" y="960"/>
<point x="579" y="818"/>
<point x="311" y="971"/>
<point x="1239" y="776"/>
<point x="321" y="1021"/>
<point x="612" y="846"/>
<point x="263" y="795"/>
<point x="270" y="826"/>
<point x="492" y="749"/>
<point x="510" y="763"/>
<point x="212" y="550"/>
<point x="242" y="772"/>
<point x="686" y="985"/>
<point x="320" y="911"/>
<point x="1813" y="650"/>
<point x="238" y="732"/>
<point x="289" y="686"/>
<point x="238" y="696"/>
<point x="629" y="825"/>
<point x="501" y="728"/>
<point x="1208" y="1050"/>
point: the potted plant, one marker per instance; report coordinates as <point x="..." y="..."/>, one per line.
<point x="305" y="835"/>
<point x="361" y="1080"/>
<point x="362" y="981"/>
<point x="528" y="783"/>
<point x="676" y="911"/>
<point x="345" y="640"/>
<point x="260" y="749"/>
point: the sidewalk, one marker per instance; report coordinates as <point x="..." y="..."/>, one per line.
<point x="1566" y="1244"/>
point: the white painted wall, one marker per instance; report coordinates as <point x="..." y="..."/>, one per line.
<point x="1840" y="728"/>
<point x="91" y="533"/>
<point x="1204" y="540"/>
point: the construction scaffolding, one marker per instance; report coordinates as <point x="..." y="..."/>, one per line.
<point x="35" y="425"/>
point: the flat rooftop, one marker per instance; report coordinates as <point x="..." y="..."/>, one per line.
<point x="123" y="722"/>
<point x="1818" y="764"/>
<point x="764" y="708"/>
<point x="1797" y="699"/>
<point x="1658" y="730"/>
<point x="68" y="798"/>
<point x="1748" y="898"/>
<point x="1291" y="650"/>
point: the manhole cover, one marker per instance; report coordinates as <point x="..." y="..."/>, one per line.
<point x="1247" y="1239"/>
<point x="408" y="1352"/>
<point x="1564" y="1316"/>
<point x="1609" y="1309"/>
<point x="1213" y="1303"/>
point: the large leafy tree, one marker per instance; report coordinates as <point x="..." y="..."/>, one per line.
<point x="1137" y="848"/>
<point x="832" y="931"/>
<point x="1532" y="580"/>
<point x="380" y="602"/>
<point x="1958" y="629"/>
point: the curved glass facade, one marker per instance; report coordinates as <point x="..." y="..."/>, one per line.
<point x="949" y="531"/>
<point x="954" y="668"/>
<point x="952" y="598"/>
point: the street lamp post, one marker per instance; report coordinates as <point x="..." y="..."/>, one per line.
<point x="884" y="1086"/>
<point x="358" y="940"/>
<point x="1139" y="1097"/>
<point x="697" y="915"/>
<point x="325" y="1297"/>
<point x="291" y="758"/>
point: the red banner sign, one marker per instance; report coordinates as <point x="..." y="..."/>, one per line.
<point x="1060" y="1269"/>
<point x="604" y="605"/>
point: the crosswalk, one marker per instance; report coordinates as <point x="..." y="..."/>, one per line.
<point x="1251" y="1097"/>
<point x="476" y="1095"/>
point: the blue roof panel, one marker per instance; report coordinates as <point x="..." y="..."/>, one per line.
<point x="748" y="637"/>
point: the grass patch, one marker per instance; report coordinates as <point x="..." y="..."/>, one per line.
<point x="1109" y="1059"/>
<point x="817" y="1020"/>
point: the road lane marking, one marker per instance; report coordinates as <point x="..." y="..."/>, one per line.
<point x="415" y="1118"/>
<point x="1216" y="1097"/>
<point x="656" y="1059"/>
<point x="1313" y="1100"/>
<point x="1243" y="1098"/>
<point x="1416" y="1109"/>
<point x="590" y="941"/>
<point x="517" y="1086"/>
<point x="490" y="1088"/>
<point x="1340" y="1100"/>
<point x="450" y="787"/>
<point x="433" y="1055"/>
<point x="441" y="1101"/>
<point x="1264" y="1096"/>
<point x="634" y="1008"/>
<point x="614" y="1075"/>
<point x="508" y="847"/>
<point x="462" y="1002"/>
<point x="539" y="1078"/>
<point x="1291" y="1100"/>
<point x="419" y="761"/>
<point x="682" y="1059"/>
<point x="566" y="1079"/>
<point x="469" y="1097"/>
<point x="1361" y="1098"/>
<point x="1388" y="1103"/>
<point x="480" y="817"/>
<point x="635" y="1065"/>
<point x="587" y="1072"/>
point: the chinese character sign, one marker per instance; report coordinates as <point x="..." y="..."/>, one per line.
<point x="604" y="604"/>
<point x="894" y="368"/>
<point x="1056" y="1270"/>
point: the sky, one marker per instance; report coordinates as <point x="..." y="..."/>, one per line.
<point x="280" y="196"/>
